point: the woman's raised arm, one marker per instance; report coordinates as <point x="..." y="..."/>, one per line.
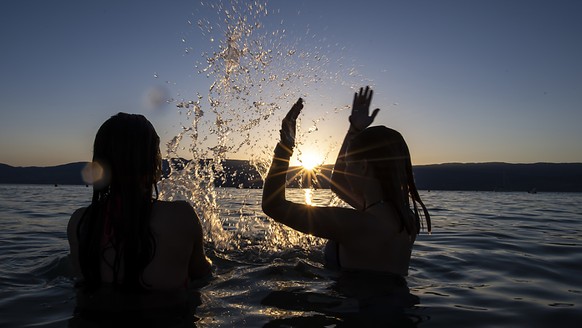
<point x="359" y="120"/>
<point x="334" y="223"/>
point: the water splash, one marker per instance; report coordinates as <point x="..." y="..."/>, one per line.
<point x="256" y="71"/>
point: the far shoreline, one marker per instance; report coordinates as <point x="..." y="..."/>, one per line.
<point x="493" y="176"/>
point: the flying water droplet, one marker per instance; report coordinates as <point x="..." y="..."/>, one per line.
<point x="255" y="72"/>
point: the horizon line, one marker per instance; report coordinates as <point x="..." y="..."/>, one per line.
<point x="325" y="164"/>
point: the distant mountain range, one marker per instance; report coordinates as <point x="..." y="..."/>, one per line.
<point x="542" y="177"/>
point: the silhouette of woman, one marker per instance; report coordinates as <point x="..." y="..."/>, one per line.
<point x="126" y="239"/>
<point x="373" y="174"/>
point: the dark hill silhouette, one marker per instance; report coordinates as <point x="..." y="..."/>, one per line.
<point x="61" y="174"/>
<point x="543" y="177"/>
<point x="563" y="177"/>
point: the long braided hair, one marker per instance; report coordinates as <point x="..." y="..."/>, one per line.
<point x="386" y="151"/>
<point x="126" y="153"/>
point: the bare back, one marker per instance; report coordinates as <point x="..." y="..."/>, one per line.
<point x="385" y="247"/>
<point x="179" y="254"/>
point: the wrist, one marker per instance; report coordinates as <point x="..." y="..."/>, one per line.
<point x="353" y="130"/>
<point x="283" y="151"/>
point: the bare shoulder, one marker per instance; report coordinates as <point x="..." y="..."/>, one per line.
<point x="175" y="208"/>
<point x="378" y="225"/>
<point x="74" y="220"/>
<point x="176" y="213"/>
<point x="76" y="216"/>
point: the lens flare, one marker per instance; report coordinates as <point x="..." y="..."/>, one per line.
<point x="310" y="161"/>
<point x="95" y="174"/>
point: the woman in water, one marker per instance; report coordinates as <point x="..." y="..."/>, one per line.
<point x="127" y="240"/>
<point x="373" y="174"/>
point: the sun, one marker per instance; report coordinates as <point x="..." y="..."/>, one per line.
<point x="310" y="161"/>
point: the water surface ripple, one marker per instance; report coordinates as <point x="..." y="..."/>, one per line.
<point x="494" y="259"/>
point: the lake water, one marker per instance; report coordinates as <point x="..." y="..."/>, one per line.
<point x="494" y="259"/>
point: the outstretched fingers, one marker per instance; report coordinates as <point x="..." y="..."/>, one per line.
<point x="295" y="110"/>
<point x="297" y="107"/>
<point x="364" y="96"/>
<point x="370" y="94"/>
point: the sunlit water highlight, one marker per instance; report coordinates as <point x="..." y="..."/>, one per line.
<point x="494" y="259"/>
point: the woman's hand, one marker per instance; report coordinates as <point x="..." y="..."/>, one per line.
<point x="361" y="118"/>
<point x="289" y="126"/>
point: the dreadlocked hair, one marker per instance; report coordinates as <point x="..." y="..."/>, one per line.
<point x="126" y="153"/>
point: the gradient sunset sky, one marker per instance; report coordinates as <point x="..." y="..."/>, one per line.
<point x="464" y="81"/>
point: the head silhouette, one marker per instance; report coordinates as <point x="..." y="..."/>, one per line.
<point x="126" y="149"/>
<point x="386" y="152"/>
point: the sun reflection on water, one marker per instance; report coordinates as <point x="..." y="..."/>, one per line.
<point x="308" y="196"/>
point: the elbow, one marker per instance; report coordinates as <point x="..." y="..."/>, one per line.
<point x="264" y="202"/>
<point x="273" y="201"/>
<point x="267" y="208"/>
<point x="267" y="202"/>
<point x="271" y="208"/>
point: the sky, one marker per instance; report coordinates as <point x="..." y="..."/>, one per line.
<point x="463" y="81"/>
